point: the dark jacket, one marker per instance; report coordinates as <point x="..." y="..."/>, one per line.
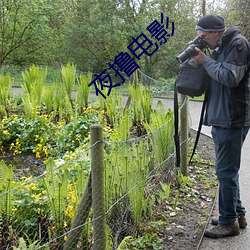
<point x="229" y="90"/>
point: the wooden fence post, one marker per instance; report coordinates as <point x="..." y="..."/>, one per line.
<point x="98" y="195"/>
<point x="184" y="135"/>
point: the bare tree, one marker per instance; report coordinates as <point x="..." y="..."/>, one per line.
<point x="203" y="7"/>
<point x="20" y="22"/>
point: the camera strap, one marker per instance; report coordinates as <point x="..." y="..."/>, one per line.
<point x="176" y="126"/>
<point x="199" y="127"/>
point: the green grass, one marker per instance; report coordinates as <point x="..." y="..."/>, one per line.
<point x="160" y="88"/>
<point x="53" y="73"/>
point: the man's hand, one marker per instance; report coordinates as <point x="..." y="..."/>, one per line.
<point x="200" y="58"/>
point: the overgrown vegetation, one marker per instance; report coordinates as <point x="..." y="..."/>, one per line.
<point x="53" y="124"/>
<point x="91" y="34"/>
<point x="51" y="120"/>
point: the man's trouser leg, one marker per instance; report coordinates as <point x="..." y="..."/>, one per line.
<point x="228" y="145"/>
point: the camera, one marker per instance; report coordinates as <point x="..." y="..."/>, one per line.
<point x="190" y="51"/>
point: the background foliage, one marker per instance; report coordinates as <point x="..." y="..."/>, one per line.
<point x="90" y="33"/>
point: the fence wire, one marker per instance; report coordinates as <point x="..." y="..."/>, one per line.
<point x="44" y="210"/>
<point x="158" y="87"/>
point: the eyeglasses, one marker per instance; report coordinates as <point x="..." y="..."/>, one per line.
<point x="203" y="36"/>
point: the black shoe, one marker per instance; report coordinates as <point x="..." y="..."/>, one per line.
<point x="221" y="231"/>
<point x="241" y="219"/>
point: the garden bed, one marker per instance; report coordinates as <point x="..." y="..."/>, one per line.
<point x="178" y="222"/>
<point x="185" y="226"/>
<point x="25" y="164"/>
<point x="180" y="219"/>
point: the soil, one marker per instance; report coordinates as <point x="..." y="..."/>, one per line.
<point x="186" y="223"/>
<point x="25" y="164"/>
<point x="180" y="220"/>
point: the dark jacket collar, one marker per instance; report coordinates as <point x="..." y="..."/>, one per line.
<point x="231" y="32"/>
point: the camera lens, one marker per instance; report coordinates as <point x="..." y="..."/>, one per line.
<point x="187" y="53"/>
<point x="190" y="51"/>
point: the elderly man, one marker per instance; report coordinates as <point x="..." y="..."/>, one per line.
<point x="228" y="112"/>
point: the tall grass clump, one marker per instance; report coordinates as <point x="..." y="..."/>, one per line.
<point x="114" y="110"/>
<point x="6" y="184"/>
<point x="68" y="74"/>
<point x="48" y="98"/>
<point x="5" y="90"/>
<point x="127" y="165"/>
<point x="34" y="80"/>
<point x="83" y="91"/>
<point x="161" y="132"/>
<point x="63" y="103"/>
<point x="141" y="106"/>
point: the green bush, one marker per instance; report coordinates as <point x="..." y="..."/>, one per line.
<point x="44" y="138"/>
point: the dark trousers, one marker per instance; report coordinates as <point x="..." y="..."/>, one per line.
<point x="228" y="145"/>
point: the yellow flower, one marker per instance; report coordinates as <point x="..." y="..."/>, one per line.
<point x="14" y="209"/>
<point x="6" y="132"/>
<point x="103" y="112"/>
<point x="71" y="194"/>
<point x="26" y="178"/>
<point x="17" y="152"/>
<point x="38" y="156"/>
<point x="45" y="151"/>
<point x="69" y="211"/>
<point x="37" y="196"/>
<point x="31" y="187"/>
<point x="73" y="199"/>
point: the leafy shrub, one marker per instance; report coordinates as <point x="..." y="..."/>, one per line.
<point x="44" y="138"/>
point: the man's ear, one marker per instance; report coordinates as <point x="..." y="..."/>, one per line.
<point x="219" y="34"/>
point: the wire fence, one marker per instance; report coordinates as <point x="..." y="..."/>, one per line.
<point x="57" y="209"/>
<point x="158" y="87"/>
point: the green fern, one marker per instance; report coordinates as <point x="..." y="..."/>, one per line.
<point x="161" y="126"/>
<point x="5" y="90"/>
<point x="83" y="91"/>
<point x="141" y="103"/>
<point x="56" y="185"/>
<point x="33" y="86"/>
<point x="48" y="98"/>
<point x="68" y="74"/>
<point x="6" y="184"/>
